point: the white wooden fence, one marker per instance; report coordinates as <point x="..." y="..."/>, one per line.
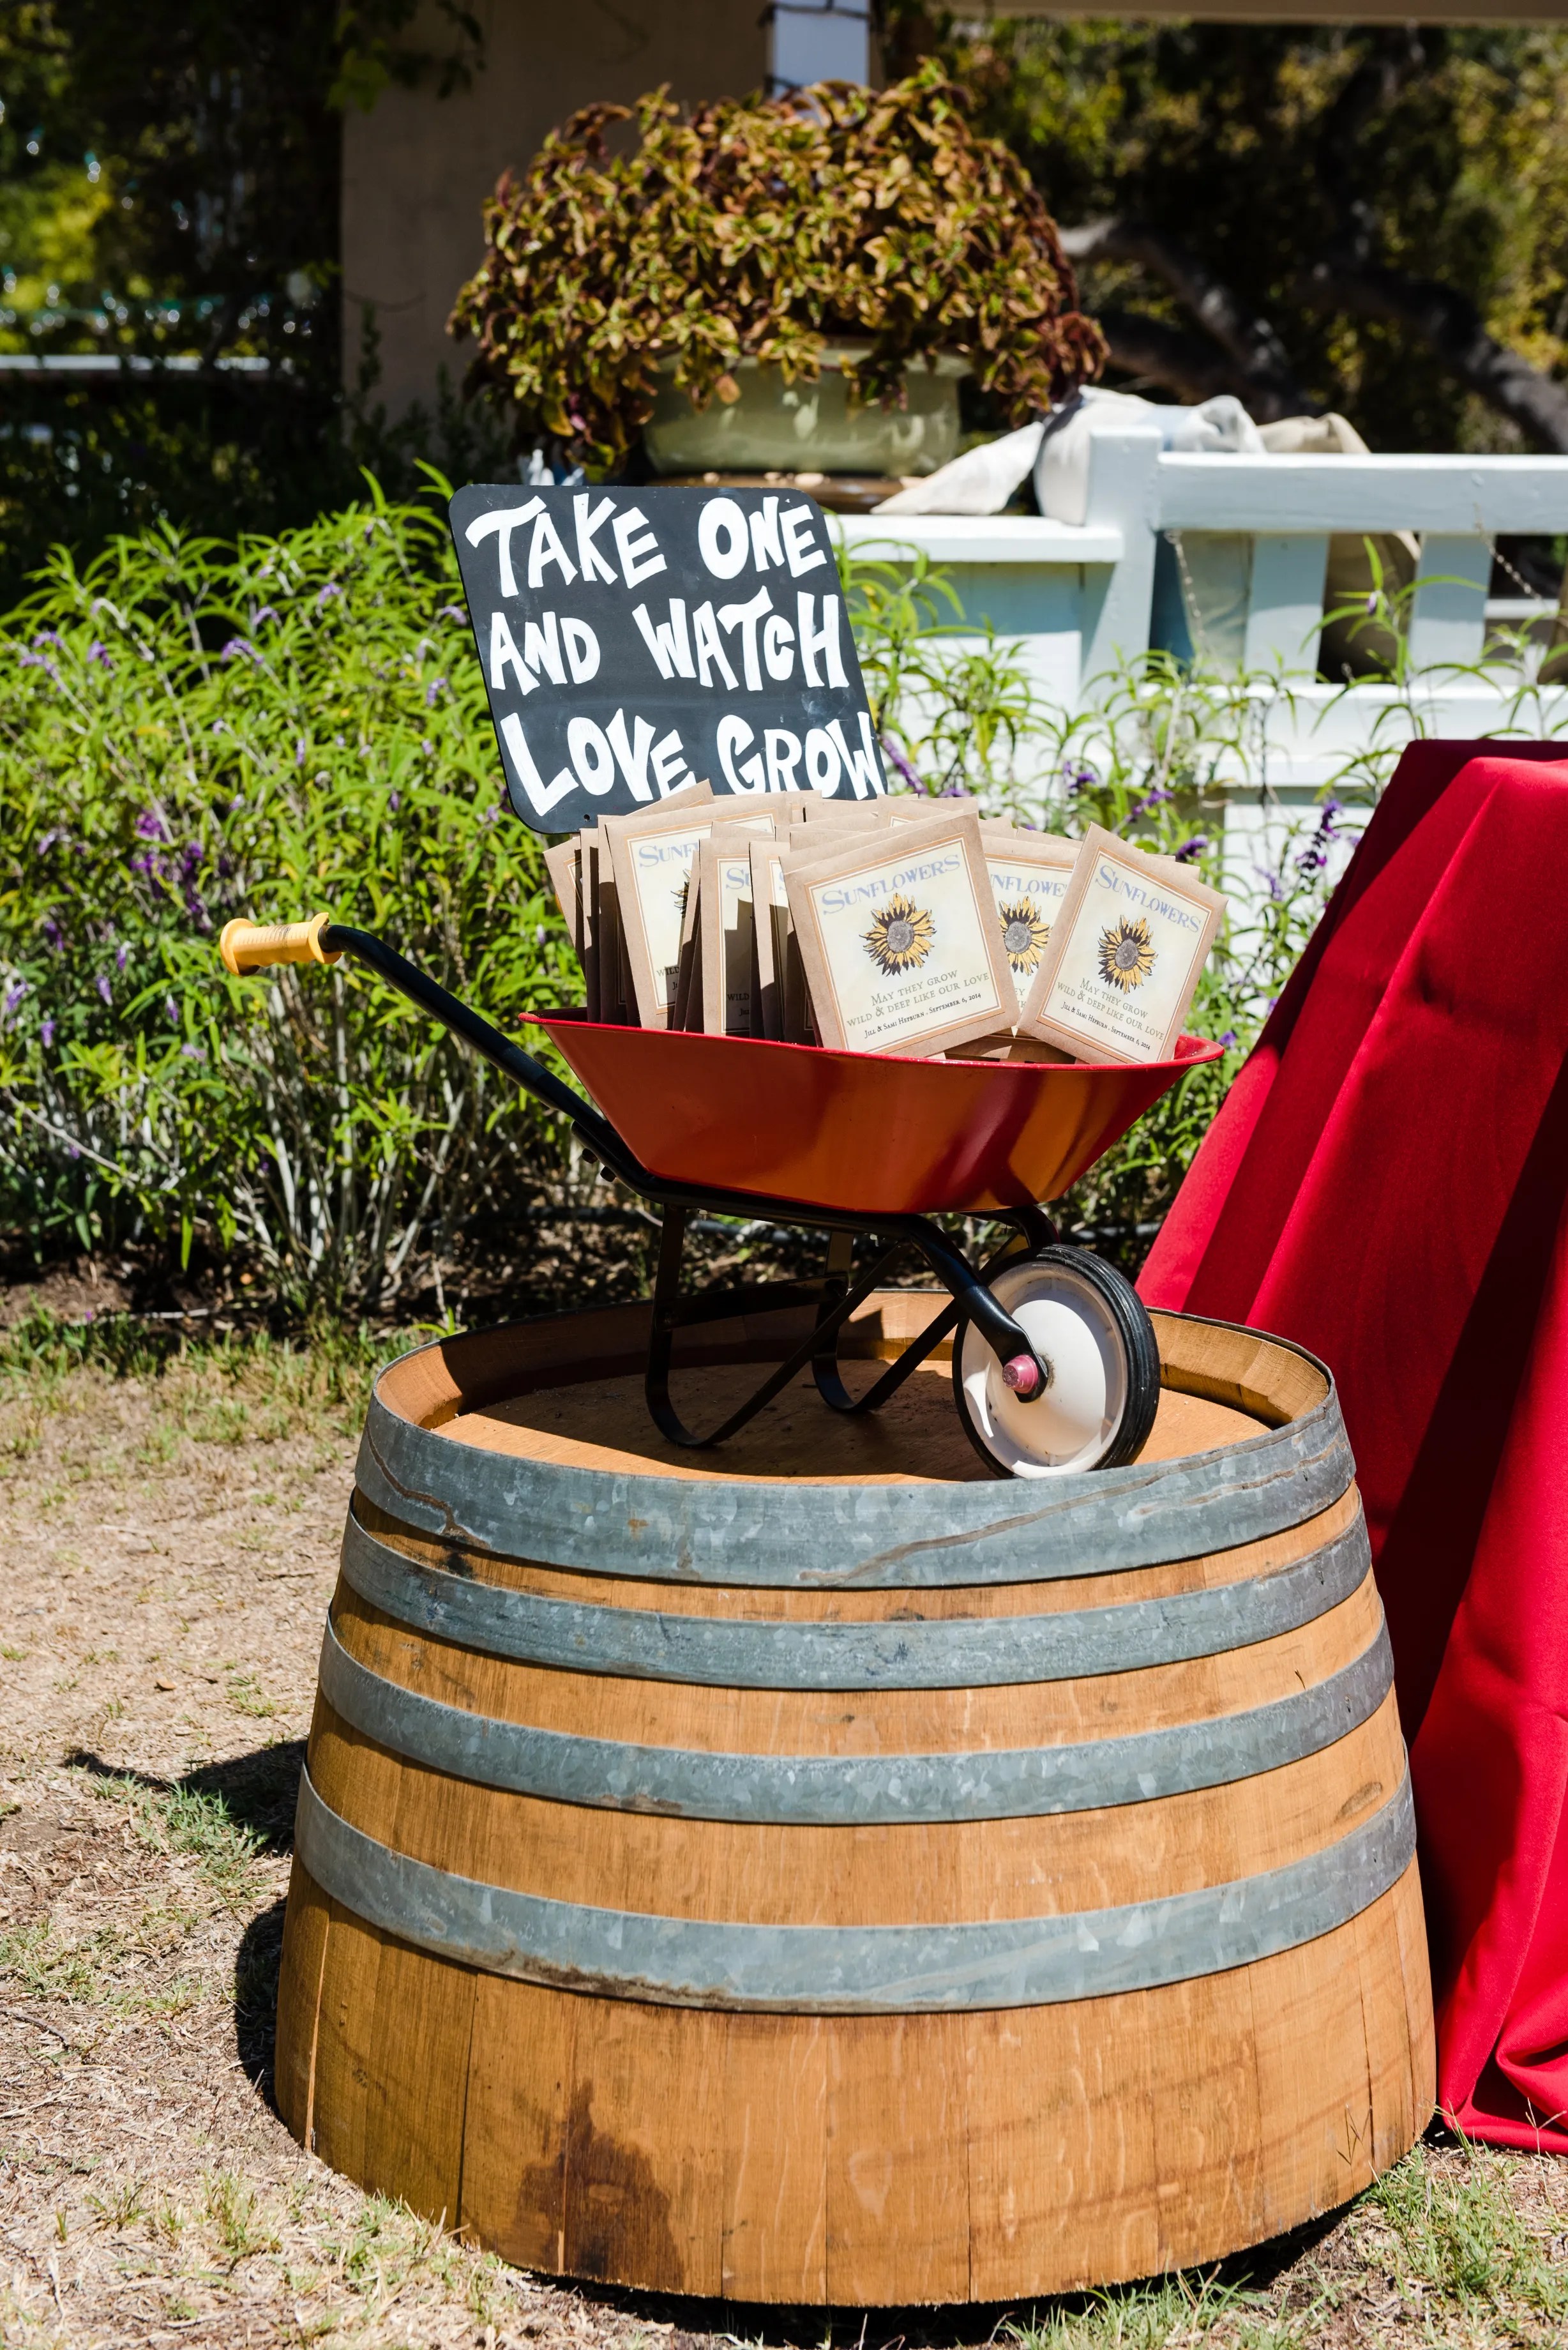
<point x="1083" y="592"/>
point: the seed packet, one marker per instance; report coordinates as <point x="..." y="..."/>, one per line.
<point x="900" y="938"/>
<point x="588" y="900"/>
<point x="610" y="958"/>
<point x="1007" y="1046"/>
<point x="1126" y="952"/>
<point x="782" y="997"/>
<point x="563" y="864"/>
<point x="686" y="1010"/>
<point x="919" y="808"/>
<point x="1029" y="876"/>
<point x="650" y="854"/>
<point x="725" y="927"/>
<point x="819" y="812"/>
<point x="770" y="933"/>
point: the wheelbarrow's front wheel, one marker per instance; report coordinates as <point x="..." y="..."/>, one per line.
<point x="1089" y="1326"/>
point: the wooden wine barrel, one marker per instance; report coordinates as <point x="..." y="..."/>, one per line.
<point x="815" y="1872"/>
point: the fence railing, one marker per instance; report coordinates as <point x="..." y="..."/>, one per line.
<point x="1236" y="558"/>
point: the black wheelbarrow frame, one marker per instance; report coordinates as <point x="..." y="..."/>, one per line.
<point x="837" y="1296"/>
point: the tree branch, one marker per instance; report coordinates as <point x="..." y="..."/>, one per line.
<point x="1187" y="364"/>
<point x="1449" y="324"/>
<point x="1261" y="372"/>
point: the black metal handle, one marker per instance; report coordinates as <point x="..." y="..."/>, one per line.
<point x="534" y="1078"/>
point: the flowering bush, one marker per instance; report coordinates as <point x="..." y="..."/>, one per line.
<point x="191" y="731"/>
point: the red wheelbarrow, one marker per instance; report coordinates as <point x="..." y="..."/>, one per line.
<point x="1055" y="1370"/>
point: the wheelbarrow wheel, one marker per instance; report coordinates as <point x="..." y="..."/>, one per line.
<point x="1089" y="1326"/>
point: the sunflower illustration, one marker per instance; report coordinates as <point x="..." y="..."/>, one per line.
<point x="901" y="937"/>
<point x="1024" y="935"/>
<point x="1127" y="954"/>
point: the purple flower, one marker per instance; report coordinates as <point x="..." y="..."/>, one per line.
<point x="170" y="1009"/>
<point x="394" y="800"/>
<point x="104" y="988"/>
<point x="1272" y="882"/>
<point x="72" y="1150"/>
<point x="150" y="825"/>
<point x="327" y="593"/>
<point x="299" y="754"/>
<point x="435" y="688"/>
<point x="901" y="763"/>
<point x="266" y="614"/>
<point x="237" y="649"/>
<point x="1191" y="848"/>
<point x="47" y="1030"/>
<point x="54" y="937"/>
<point x="1229" y="1038"/>
<point x="452" y="612"/>
<point x="1078" y="775"/>
<point x="97" y="652"/>
<point x="39" y="660"/>
<point x="189" y="1052"/>
<point x="46" y="841"/>
<point x="49" y="637"/>
<point x="14" y="994"/>
<point x="121" y="957"/>
<point x="428" y="748"/>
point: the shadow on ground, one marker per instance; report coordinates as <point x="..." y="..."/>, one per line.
<point x="959" y="2327"/>
<point x="257" y="1791"/>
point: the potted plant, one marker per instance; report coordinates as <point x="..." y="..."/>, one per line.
<point x="772" y="282"/>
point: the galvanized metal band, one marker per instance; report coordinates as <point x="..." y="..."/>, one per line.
<point x="856" y="1970"/>
<point x="853" y="1789"/>
<point x="734" y="1530"/>
<point x="948" y="1652"/>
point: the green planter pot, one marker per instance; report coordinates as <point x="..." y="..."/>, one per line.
<point x="779" y="427"/>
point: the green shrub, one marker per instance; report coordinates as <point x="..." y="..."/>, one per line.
<point x="190" y="730"/>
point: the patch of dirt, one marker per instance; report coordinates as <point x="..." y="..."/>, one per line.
<point x="168" y="1546"/>
<point x="72" y="1292"/>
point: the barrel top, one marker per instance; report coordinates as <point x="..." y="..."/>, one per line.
<point x="531" y="1442"/>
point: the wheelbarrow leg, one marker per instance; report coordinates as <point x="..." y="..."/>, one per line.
<point x="668" y="1316"/>
<point x="1033" y="1229"/>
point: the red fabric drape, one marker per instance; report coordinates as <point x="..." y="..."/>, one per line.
<point x="1386" y="1183"/>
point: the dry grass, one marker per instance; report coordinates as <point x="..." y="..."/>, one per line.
<point x="169" y="1538"/>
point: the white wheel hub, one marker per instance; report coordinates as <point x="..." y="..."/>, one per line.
<point x="1073" y="1331"/>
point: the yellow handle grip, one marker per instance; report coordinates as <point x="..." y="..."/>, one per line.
<point x="251" y="946"/>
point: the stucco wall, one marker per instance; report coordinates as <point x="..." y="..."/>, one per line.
<point x="417" y="169"/>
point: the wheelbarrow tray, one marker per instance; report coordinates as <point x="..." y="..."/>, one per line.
<point x="866" y="1133"/>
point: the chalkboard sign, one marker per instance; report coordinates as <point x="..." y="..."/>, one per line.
<point x="637" y="640"/>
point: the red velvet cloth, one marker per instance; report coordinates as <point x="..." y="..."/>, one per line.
<point x="1386" y="1184"/>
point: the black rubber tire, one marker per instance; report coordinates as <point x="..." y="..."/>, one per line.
<point x="1140" y="1349"/>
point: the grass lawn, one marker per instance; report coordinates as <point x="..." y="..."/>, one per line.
<point x="170" y="1532"/>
